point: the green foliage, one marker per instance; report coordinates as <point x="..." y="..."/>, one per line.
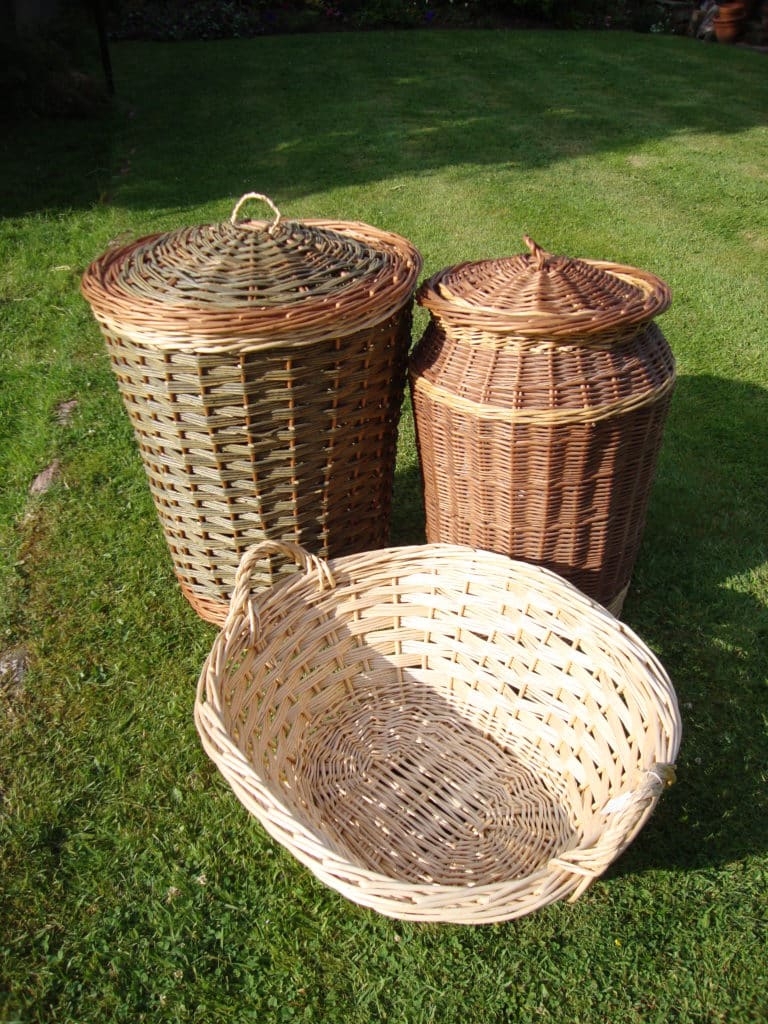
<point x="168" y="20"/>
<point x="134" y="885"/>
<point x="204" y="19"/>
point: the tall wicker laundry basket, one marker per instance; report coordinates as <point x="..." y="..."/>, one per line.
<point x="263" y="364"/>
<point x="540" y="392"/>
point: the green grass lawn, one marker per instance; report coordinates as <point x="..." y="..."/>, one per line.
<point x="134" y="885"/>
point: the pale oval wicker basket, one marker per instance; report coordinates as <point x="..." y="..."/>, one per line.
<point x="437" y="732"/>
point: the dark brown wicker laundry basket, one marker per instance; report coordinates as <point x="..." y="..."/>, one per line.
<point x="540" y="391"/>
<point x="262" y="364"/>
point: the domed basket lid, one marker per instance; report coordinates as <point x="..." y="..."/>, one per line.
<point x="538" y="294"/>
<point x="254" y="278"/>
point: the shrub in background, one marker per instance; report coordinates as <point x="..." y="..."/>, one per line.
<point x="208" y="19"/>
<point x="197" y="19"/>
<point x="635" y="15"/>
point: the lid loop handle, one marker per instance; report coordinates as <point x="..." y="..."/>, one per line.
<point x="256" y="195"/>
<point x="538" y="255"/>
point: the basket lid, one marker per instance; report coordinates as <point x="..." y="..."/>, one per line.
<point x="246" y="276"/>
<point x="541" y="294"/>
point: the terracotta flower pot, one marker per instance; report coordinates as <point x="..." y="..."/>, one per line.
<point x="729" y="22"/>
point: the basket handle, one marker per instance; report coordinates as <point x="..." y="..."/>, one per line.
<point x="625" y="812"/>
<point x="240" y="602"/>
<point x="538" y="256"/>
<point x="245" y="224"/>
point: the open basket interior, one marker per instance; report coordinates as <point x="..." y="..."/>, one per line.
<point x="442" y="722"/>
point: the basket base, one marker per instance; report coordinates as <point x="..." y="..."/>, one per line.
<point x="211" y="611"/>
<point x="373" y="776"/>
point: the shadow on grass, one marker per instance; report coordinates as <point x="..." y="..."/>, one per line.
<point x="700" y="599"/>
<point x="55" y="163"/>
<point x="56" y="120"/>
<point x="291" y="115"/>
<point x="407" y="525"/>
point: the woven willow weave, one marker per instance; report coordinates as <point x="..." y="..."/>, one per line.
<point x="438" y="733"/>
<point x="540" y="392"/>
<point x="262" y="364"/>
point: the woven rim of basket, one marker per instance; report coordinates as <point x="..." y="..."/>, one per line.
<point x="564" y="876"/>
<point x="219" y="285"/>
<point x="540" y="295"/>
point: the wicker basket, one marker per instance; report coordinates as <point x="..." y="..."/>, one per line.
<point x="540" y="391"/>
<point x="439" y="733"/>
<point x="263" y="367"/>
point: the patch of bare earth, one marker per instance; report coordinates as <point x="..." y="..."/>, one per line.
<point x="14" y="665"/>
<point x="65" y="411"/>
<point x="45" y="480"/>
